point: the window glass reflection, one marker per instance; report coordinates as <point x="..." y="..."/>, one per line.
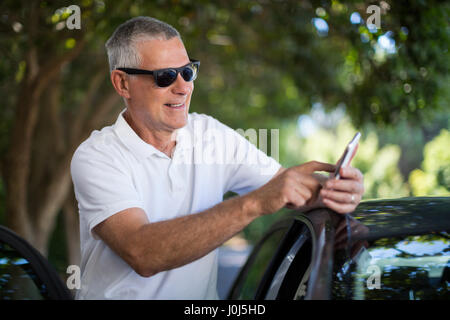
<point x="260" y="264"/>
<point x="18" y="281"/>
<point x="410" y="268"/>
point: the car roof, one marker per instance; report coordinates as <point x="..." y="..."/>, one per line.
<point x="404" y="216"/>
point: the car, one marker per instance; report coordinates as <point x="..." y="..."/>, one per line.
<point x="25" y="274"/>
<point x="395" y="249"/>
<point x="386" y="249"/>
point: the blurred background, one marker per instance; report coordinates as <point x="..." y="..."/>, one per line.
<point x="315" y="70"/>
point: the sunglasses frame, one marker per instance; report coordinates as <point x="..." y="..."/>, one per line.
<point x="154" y="73"/>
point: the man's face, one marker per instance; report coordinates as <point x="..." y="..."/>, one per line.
<point x="152" y="104"/>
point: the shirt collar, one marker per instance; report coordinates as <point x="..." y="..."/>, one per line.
<point x="139" y="147"/>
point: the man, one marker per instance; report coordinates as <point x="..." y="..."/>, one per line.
<point x="151" y="205"/>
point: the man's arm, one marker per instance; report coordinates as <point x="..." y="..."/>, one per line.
<point x="280" y="171"/>
<point x="150" y="248"/>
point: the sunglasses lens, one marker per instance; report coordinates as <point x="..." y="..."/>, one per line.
<point x="166" y="78"/>
<point x="189" y="73"/>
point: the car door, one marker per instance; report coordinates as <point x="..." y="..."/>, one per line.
<point x="25" y="274"/>
<point x="412" y="267"/>
<point x="279" y="265"/>
<point x="289" y="278"/>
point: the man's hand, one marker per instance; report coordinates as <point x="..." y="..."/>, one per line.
<point x="294" y="188"/>
<point x="343" y="195"/>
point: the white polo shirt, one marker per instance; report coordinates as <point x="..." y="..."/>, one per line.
<point x="114" y="170"/>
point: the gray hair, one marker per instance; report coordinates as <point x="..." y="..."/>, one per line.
<point x="122" y="46"/>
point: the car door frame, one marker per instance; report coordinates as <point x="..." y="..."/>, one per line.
<point x="321" y="225"/>
<point x="47" y="275"/>
<point x="239" y="281"/>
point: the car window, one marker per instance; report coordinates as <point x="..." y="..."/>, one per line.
<point x="18" y="281"/>
<point x="291" y="278"/>
<point x="24" y="273"/>
<point x="250" y="277"/>
<point x="404" y="268"/>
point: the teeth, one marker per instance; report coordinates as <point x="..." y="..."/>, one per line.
<point x="174" y="105"/>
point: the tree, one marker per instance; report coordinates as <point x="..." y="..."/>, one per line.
<point x="42" y="131"/>
<point x="379" y="164"/>
<point x="434" y="177"/>
<point x="262" y="62"/>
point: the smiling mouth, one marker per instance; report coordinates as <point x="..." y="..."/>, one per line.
<point x="175" y="105"/>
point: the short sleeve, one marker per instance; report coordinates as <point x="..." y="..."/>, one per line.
<point x="102" y="186"/>
<point x="249" y="168"/>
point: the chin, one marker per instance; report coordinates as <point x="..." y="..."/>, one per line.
<point x="179" y="124"/>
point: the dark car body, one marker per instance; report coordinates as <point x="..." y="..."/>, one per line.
<point x="386" y="249"/>
<point x="25" y="274"/>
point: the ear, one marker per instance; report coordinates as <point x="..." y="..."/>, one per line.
<point x="120" y="81"/>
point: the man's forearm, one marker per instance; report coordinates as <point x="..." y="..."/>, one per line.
<point x="172" y="243"/>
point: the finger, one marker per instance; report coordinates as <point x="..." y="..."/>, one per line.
<point x="312" y="184"/>
<point x="339" y="196"/>
<point x="350" y="186"/>
<point x="303" y="193"/>
<point x="339" y="207"/>
<point x="303" y="189"/>
<point x="320" y="177"/>
<point x="307" y="180"/>
<point x="351" y="173"/>
<point x="298" y="196"/>
<point x="313" y="166"/>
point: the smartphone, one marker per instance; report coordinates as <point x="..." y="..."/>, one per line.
<point x="348" y="155"/>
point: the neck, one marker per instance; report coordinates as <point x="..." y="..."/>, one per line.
<point x="161" y="140"/>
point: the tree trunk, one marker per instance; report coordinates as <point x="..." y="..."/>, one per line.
<point x="36" y="166"/>
<point x="18" y="162"/>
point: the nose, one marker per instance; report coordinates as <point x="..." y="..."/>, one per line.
<point x="182" y="87"/>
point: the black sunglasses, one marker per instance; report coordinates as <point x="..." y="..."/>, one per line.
<point x="165" y="77"/>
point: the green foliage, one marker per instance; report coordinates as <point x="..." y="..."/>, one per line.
<point x="379" y="165"/>
<point x="264" y="63"/>
<point x="57" y="252"/>
<point x="379" y="157"/>
<point x="434" y="177"/>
